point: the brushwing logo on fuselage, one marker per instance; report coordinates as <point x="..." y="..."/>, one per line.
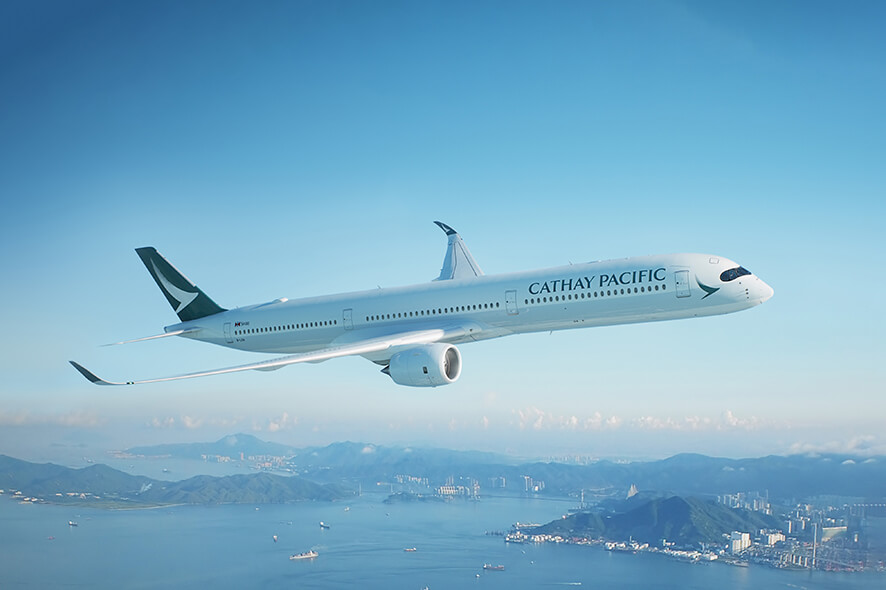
<point x="184" y="298"/>
<point x="708" y="290"/>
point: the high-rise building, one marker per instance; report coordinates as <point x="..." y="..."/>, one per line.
<point x="739" y="541"/>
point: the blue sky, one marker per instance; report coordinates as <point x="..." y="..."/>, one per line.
<point x="301" y="148"/>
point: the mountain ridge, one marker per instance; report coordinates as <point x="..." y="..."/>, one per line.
<point x="686" y="522"/>
<point x="100" y="484"/>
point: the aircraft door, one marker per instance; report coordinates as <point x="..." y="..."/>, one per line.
<point x="228" y="337"/>
<point x="511" y="302"/>
<point x="681" y="278"/>
<point x="347" y="318"/>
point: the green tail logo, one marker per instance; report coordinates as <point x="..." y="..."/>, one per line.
<point x="708" y="290"/>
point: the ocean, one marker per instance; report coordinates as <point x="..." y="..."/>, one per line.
<point x="232" y="546"/>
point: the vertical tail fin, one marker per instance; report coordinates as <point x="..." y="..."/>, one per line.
<point x="188" y="301"/>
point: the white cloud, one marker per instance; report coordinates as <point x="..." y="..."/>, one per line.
<point x="191" y="423"/>
<point x="727" y="421"/>
<point x="538" y="419"/>
<point x="163" y="423"/>
<point x="284" y="421"/>
<point x="863" y="445"/>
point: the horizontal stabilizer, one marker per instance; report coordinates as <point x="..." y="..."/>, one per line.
<point x="164" y="335"/>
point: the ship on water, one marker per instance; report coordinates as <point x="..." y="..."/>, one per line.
<point x="494" y="568"/>
<point x="306" y="555"/>
<point x="323" y="525"/>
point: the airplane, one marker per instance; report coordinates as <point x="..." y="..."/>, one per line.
<point x="413" y="331"/>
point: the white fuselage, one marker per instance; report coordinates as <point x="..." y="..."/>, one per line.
<point x="630" y="290"/>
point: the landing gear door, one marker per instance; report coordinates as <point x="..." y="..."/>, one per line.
<point x="681" y="278"/>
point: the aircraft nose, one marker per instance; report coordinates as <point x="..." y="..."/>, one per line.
<point x="764" y="291"/>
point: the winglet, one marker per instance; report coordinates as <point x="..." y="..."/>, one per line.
<point x="449" y="231"/>
<point x="92" y="377"/>
<point x="458" y="262"/>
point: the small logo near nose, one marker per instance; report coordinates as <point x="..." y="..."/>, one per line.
<point x="708" y="290"/>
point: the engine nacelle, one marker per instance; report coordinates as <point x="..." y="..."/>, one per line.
<point x="428" y="365"/>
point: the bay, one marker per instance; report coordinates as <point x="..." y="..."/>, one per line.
<point x="232" y="546"/>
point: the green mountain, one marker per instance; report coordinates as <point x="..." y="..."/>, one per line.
<point x="260" y="488"/>
<point x="46" y="479"/>
<point x="101" y="485"/>
<point x="684" y="521"/>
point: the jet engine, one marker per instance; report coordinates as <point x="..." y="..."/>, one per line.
<point x="428" y="365"/>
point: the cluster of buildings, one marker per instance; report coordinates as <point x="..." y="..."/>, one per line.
<point x="17" y="495"/>
<point x="412" y="480"/>
<point x="470" y="488"/>
<point x="256" y="461"/>
<point x="449" y="491"/>
<point x="68" y="496"/>
<point x="533" y="486"/>
<point x="753" y="501"/>
<point x="816" y="537"/>
<point x="813" y="537"/>
<point x="462" y="486"/>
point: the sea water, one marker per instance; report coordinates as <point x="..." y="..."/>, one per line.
<point x="233" y="546"/>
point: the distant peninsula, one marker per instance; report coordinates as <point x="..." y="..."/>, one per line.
<point x="103" y="487"/>
<point x="233" y="445"/>
<point x="685" y="522"/>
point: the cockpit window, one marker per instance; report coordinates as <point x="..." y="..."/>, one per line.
<point x="733" y="273"/>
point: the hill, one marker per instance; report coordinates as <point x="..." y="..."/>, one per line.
<point x="684" y="521"/>
<point x="103" y="486"/>
<point x="229" y="446"/>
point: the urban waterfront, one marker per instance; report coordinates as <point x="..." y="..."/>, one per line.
<point x="233" y="546"/>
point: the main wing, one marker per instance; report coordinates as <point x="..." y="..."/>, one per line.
<point x="359" y="347"/>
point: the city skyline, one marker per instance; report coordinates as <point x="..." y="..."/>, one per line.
<point x="297" y="149"/>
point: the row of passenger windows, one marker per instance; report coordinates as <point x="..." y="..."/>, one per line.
<point x="597" y="294"/>
<point x="456" y="309"/>
<point x="286" y="327"/>
<point x="432" y="312"/>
